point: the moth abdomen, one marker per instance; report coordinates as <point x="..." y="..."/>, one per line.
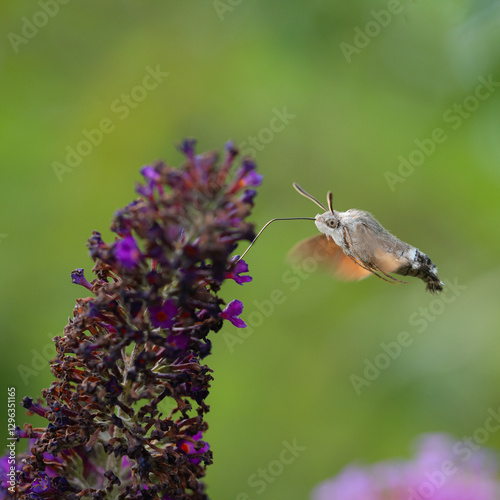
<point x="422" y="267"/>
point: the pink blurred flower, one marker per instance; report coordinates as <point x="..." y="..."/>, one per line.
<point x="442" y="469"/>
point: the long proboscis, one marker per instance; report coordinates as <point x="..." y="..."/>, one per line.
<point x="309" y="196"/>
<point x="267" y="224"/>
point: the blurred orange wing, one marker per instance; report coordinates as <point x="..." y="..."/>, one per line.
<point x="328" y="255"/>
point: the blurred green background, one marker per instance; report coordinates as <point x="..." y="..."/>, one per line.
<point x="363" y="85"/>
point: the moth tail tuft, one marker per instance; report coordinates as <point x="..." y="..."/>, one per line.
<point x="434" y="284"/>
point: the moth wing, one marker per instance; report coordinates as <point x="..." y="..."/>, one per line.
<point x="329" y="256"/>
<point x="387" y="262"/>
<point x="377" y="254"/>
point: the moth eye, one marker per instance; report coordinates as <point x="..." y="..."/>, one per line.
<point x="331" y="223"/>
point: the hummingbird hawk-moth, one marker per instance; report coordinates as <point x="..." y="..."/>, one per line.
<point x="355" y="245"/>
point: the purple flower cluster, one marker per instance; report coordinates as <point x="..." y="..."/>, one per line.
<point x="126" y="410"/>
<point x="442" y="469"/>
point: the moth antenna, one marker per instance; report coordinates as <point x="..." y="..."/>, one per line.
<point x="310" y="196"/>
<point x="267" y="224"/>
<point x="329" y="200"/>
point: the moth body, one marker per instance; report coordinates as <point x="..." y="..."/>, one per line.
<point x="366" y="242"/>
<point x="354" y="245"/>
